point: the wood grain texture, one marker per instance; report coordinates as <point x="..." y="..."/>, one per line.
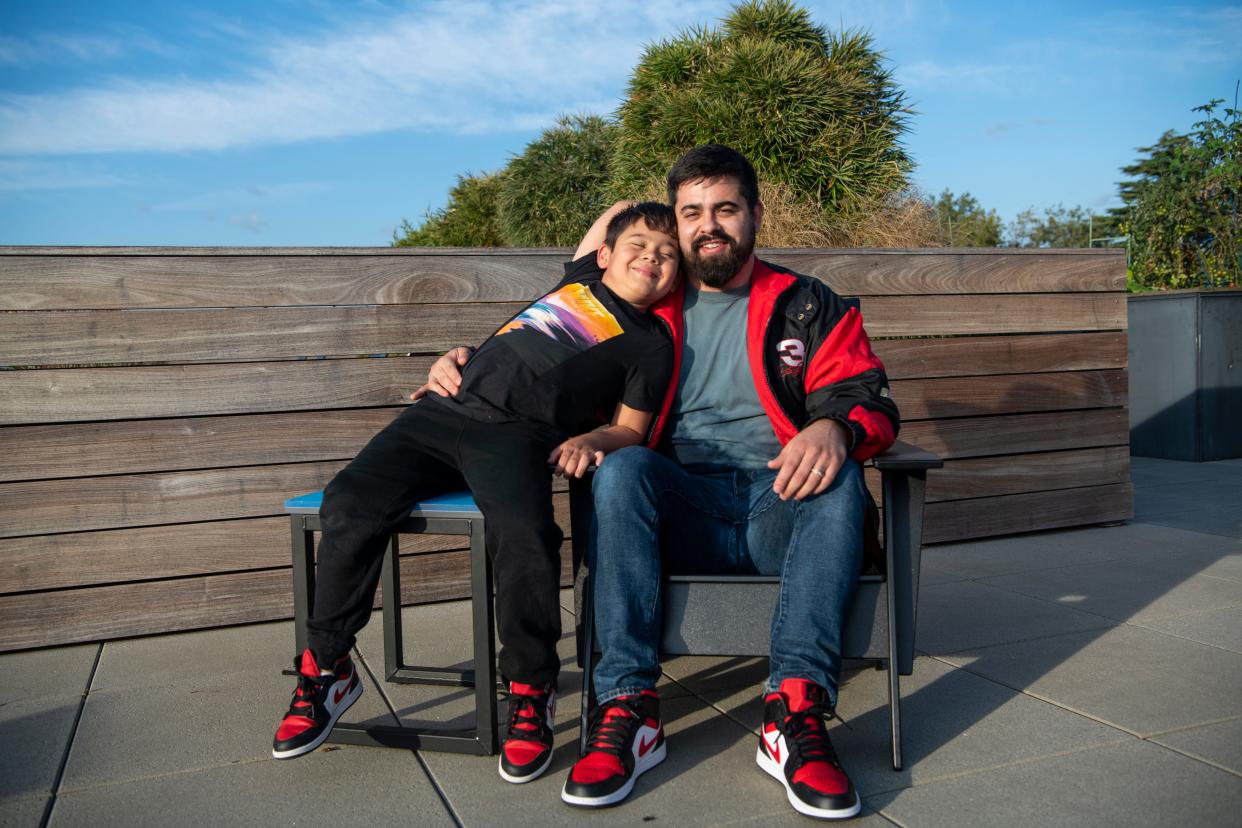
<point x="81" y="278"/>
<point x="44" y="338"/>
<point x="1020" y="473"/>
<point x="158" y="552"/>
<point x="927" y="399"/>
<point x="876" y="273"/>
<point x="1020" y="433"/>
<point x="955" y="520"/>
<point x="46" y="619"/>
<point x="982" y="355"/>
<point x="137" y="446"/>
<point x="44" y="507"/>
<point x="50" y="338"/>
<point x="59" y="395"/>
<point x="993" y="314"/>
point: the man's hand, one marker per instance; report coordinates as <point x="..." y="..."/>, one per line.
<point x="809" y="462"/>
<point x="574" y="456"/>
<point x="444" y="378"/>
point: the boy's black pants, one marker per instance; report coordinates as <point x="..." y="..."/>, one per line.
<point x="430" y="449"/>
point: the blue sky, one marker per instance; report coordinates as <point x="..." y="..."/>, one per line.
<point x="325" y="123"/>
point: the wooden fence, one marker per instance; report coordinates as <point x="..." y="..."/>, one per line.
<point x="163" y="403"/>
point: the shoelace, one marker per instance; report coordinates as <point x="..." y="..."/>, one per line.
<point x="610" y="730"/>
<point x="309" y="687"/>
<point x="805" y="729"/>
<point x="524" y="715"/>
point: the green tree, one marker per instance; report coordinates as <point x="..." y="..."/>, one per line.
<point x="962" y="222"/>
<point x="1060" y="226"/>
<point x="1181" y="205"/>
<point x="816" y="112"/>
<point x="468" y="220"/>
<point x="550" y="194"/>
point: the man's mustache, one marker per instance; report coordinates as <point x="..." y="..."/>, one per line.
<point x="715" y="235"/>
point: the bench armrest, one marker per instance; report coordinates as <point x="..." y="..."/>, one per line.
<point x="905" y="457"/>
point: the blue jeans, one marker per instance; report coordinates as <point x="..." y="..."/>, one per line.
<point x="652" y="517"/>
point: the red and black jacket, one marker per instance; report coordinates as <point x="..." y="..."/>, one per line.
<point x="809" y="357"/>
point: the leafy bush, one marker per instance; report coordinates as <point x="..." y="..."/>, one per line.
<point x="469" y="219"/>
<point x="814" y="111"/>
<point x="1180" y="206"/>
<point x="961" y="221"/>
<point x="550" y="194"/>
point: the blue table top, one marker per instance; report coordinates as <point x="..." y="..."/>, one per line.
<point x="454" y="504"/>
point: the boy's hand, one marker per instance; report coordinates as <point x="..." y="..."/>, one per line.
<point x="574" y="456"/>
<point x="444" y="378"/>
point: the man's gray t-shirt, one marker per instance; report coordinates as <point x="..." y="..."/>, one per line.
<point x="717" y="419"/>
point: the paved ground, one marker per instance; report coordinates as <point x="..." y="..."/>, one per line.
<point x="1089" y="677"/>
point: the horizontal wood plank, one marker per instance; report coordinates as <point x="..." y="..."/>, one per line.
<point x="72" y="279"/>
<point x="78" y="559"/>
<point x="1018" y="354"/>
<point x="137" y="446"/>
<point x="993" y="314"/>
<point x="42" y="507"/>
<point x="928" y="399"/>
<point x="81" y="394"/>
<point x="955" y="520"/>
<point x="46" y="619"/>
<point x="255" y="334"/>
<point x="1020" y="433"/>
<point x="866" y="273"/>
<point x="243" y="334"/>
<point x="56" y="395"/>
<point x="1019" y="473"/>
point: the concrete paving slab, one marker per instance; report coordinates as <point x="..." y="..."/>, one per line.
<point x="1133" y="678"/>
<point x="187" y="723"/>
<point x="966" y="615"/>
<point x="1219" y="628"/>
<point x="1225" y="521"/>
<point x="22" y="813"/>
<point x="1128" y="592"/>
<point x="953" y="722"/>
<point x="1188" y="553"/>
<point x="1026" y="553"/>
<point x="709" y="778"/>
<point x="201" y="655"/>
<point x="61" y="671"/>
<point x="1219" y="744"/>
<point x="1126" y="785"/>
<point x="1150" y="501"/>
<point x="1152" y="471"/>
<point x="345" y="786"/>
<point x="34" y="733"/>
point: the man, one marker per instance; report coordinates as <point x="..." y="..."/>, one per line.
<point x="778" y="397"/>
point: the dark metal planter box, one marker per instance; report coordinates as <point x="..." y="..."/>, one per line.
<point x="1186" y="375"/>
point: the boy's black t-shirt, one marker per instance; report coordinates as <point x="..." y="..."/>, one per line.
<point x="567" y="359"/>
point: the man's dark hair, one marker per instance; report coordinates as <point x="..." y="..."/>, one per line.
<point x="711" y="161"/>
<point x="659" y="217"/>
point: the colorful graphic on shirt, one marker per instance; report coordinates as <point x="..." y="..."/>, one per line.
<point x="571" y="315"/>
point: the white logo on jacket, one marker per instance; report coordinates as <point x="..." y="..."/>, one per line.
<point x="792" y="352"/>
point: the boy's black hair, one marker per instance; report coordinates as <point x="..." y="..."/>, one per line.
<point x="659" y="217"/>
<point x="710" y="161"/>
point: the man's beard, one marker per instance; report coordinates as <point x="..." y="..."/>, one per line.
<point x="715" y="271"/>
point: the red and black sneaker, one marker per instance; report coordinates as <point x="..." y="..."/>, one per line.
<point x="794" y="748"/>
<point x="527" y="748"/>
<point x="318" y="701"/>
<point x="626" y="741"/>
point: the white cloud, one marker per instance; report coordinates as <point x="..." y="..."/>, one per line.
<point x="26" y="175"/>
<point x="56" y="48"/>
<point x="462" y="67"/>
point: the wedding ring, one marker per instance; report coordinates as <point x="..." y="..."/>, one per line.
<point x="817" y="472"/>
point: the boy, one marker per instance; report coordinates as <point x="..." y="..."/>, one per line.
<point x="541" y="377"/>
